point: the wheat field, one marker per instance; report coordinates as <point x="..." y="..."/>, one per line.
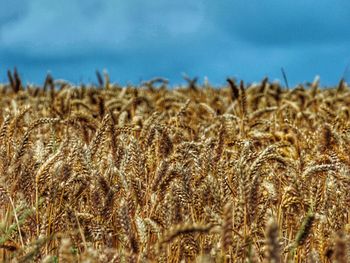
<point x="241" y="173"/>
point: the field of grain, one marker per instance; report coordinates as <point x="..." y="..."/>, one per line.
<point x="241" y="173"/>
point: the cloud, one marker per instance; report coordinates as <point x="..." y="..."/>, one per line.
<point x="12" y="10"/>
<point x="139" y="39"/>
<point x="276" y="22"/>
<point x="78" y="26"/>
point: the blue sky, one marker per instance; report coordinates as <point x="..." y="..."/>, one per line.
<point x="136" y="39"/>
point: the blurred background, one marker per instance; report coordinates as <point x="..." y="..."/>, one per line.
<point x="136" y="40"/>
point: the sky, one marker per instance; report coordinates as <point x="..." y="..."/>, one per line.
<point x="136" y="40"/>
